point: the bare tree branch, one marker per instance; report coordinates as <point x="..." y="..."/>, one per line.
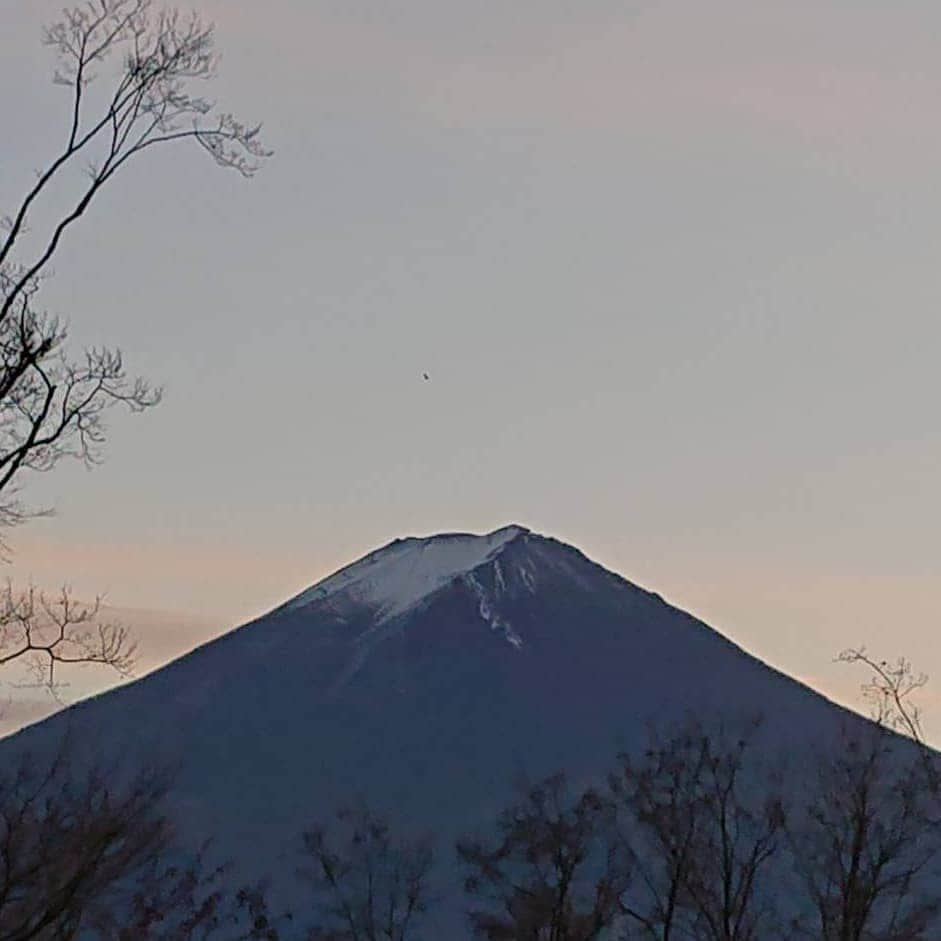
<point x="51" y="405"/>
<point x="67" y="841"/>
<point x="889" y="691"/>
<point x="145" y="63"/>
<point x="87" y="851"/>
<point x="163" y="54"/>
<point x="866" y="844"/>
<point x="557" y="870"/>
<point x="704" y="828"/>
<point x="368" y="884"/>
<point x="44" y="632"/>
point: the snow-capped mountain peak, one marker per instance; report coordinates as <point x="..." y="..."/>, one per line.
<point x="424" y="680"/>
<point x="395" y="578"/>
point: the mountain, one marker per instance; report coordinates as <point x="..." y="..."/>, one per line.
<point x="426" y="678"/>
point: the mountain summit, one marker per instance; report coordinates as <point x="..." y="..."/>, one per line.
<point x="404" y="574"/>
<point x="426" y="678"/>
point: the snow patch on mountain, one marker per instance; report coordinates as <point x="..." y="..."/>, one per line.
<point x="528" y="576"/>
<point x="484" y="608"/>
<point x="395" y="578"/>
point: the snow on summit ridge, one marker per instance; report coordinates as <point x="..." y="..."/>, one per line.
<point x="395" y="578"/>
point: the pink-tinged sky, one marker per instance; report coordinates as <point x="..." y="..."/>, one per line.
<point x="672" y="266"/>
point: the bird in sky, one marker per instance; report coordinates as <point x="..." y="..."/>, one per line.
<point x="426" y="377"/>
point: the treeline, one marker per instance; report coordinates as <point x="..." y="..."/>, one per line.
<point x="703" y="835"/>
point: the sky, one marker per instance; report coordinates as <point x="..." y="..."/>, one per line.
<point x="672" y="269"/>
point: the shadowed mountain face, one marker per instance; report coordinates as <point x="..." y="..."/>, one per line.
<point x="427" y="678"/>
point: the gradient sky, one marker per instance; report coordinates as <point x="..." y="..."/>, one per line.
<point x="673" y="268"/>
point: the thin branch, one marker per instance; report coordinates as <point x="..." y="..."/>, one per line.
<point x="42" y="632"/>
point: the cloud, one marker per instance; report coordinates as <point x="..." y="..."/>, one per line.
<point x="208" y="579"/>
<point x="687" y="67"/>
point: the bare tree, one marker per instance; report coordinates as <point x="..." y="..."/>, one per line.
<point x="557" y="872"/>
<point x="185" y="899"/>
<point x="42" y="632"/>
<point x="68" y="840"/>
<point x="131" y="71"/>
<point x="659" y="796"/>
<point x="731" y="884"/>
<point x="867" y="846"/>
<point x="87" y="851"/>
<point x="368" y="884"/>
<point x="889" y="690"/>
<point x="704" y="830"/>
